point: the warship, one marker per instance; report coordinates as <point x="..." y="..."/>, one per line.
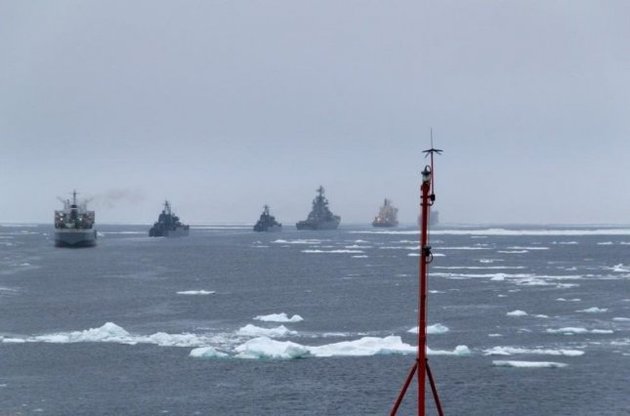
<point x="320" y="217"/>
<point x="168" y="224"/>
<point x="434" y="218"/>
<point x="387" y="215"/>
<point x="74" y="224"/>
<point x="267" y="222"/>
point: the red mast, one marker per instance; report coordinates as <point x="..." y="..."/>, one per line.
<point x="421" y="365"/>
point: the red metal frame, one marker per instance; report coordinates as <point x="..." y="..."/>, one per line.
<point x="421" y="365"/>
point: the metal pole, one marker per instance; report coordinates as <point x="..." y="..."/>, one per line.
<point x="401" y="395"/>
<point x="436" y="397"/>
<point x="422" y="296"/>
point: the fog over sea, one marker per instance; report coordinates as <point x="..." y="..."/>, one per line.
<point x="523" y="321"/>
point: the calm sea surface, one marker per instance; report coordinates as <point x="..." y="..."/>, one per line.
<point x="525" y="321"/>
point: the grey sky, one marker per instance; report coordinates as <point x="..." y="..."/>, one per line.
<point x="222" y="106"/>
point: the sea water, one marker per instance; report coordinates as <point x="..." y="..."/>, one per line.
<point x="523" y="321"/>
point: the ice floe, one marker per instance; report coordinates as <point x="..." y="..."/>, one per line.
<point x="207" y="352"/>
<point x="620" y="268"/>
<point x="278" y="317"/>
<point x="336" y="251"/>
<point x="196" y="292"/>
<point x="517" y="313"/>
<point x="432" y="329"/>
<point x="263" y="347"/>
<point x="250" y="330"/>
<point x="594" y="309"/>
<point x="509" y="232"/>
<point x="528" y="364"/>
<point x="299" y="241"/>
<point x="578" y="330"/>
<point x="505" y="350"/>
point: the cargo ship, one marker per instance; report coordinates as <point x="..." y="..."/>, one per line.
<point x="168" y="224"/>
<point x="387" y="215"/>
<point x="74" y="224"/>
<point x="320" y="217"/>
<point x="267" y="222"/>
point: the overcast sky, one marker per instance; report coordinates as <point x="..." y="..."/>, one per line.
<point x="223" y="106"/>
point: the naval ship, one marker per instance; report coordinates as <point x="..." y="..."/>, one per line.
<point x="320" y="217"/>
<point x="434" y="218"/>
<point x="168" y="224"/>
<point x="387" y="215"/>
<point x="74" y="224"/>
<point x="267" y="222"/>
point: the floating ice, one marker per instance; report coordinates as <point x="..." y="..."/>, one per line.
<point x="512" y="251"/>
<point x="334" y="251"/>
<point x="594" y="309"/>
<point x="301" y="241"/>
<point x="517" y="313"/>
<point x="620" y="268"/>
<point x="278" y="317"/>
<point x="361" y="256"/>
<point x="499" y="350"/>
<point x="263" y="347"/>
<point x="207" y="352"/>
<point x="460" y="350"/>
<point x="356" y="246"/>
<point x="366" y="346"/>
<point x="250" y="330"/>
<point x="569" y="300"/>
<point x="578" y="330"/>
<point x="196" y="292"/>
<point x="463" y="248"/>
<point x="432" y="329"/>
<point x="605" y="243"/>
<point x="621" y="319"/>
<point x="109" y="332"/>
<point x="528" y="364"/>
<point x="528" y="248"/>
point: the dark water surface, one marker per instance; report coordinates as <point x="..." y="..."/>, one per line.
<point x="103" y="331"/>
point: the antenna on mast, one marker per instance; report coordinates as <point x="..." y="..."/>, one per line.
<point x="430" y="152"/>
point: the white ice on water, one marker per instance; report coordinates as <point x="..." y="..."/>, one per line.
<point x="207" y="352"/>
<point x="299" y="241"/>
<point x="594" y="309"/>
<point x="578" y="330"/>
<point x="112" y="333"/>
<point x="250" y="330"/>
<point x="278" y="317"/>
<point x="620" y="268"/>
<point x="432" y="329"/>
<point x="504" y="350"/>
<point x="528" y="364"/>
<point x="517" y="312"/>
<point x="196" y="292"/>
<point x="335" y="251"/>
<point x="267" y="348"/>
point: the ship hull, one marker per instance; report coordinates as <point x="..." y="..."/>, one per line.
<point x="324" y="225"/>
<point x="384" y="224"/>
<point x="75" y="238"/>
<point x="177" y="232"/>
<point x="267" y="228"/>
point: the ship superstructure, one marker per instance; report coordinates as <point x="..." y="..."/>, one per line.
<point x="320" y="217"/>
<point x="74" y="224"/>
<point x="168" y="224"/>
<point x="267" y="222"/>
<point x="387" y="215"/>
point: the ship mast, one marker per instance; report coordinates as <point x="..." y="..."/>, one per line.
<point x="421" y="365"/>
